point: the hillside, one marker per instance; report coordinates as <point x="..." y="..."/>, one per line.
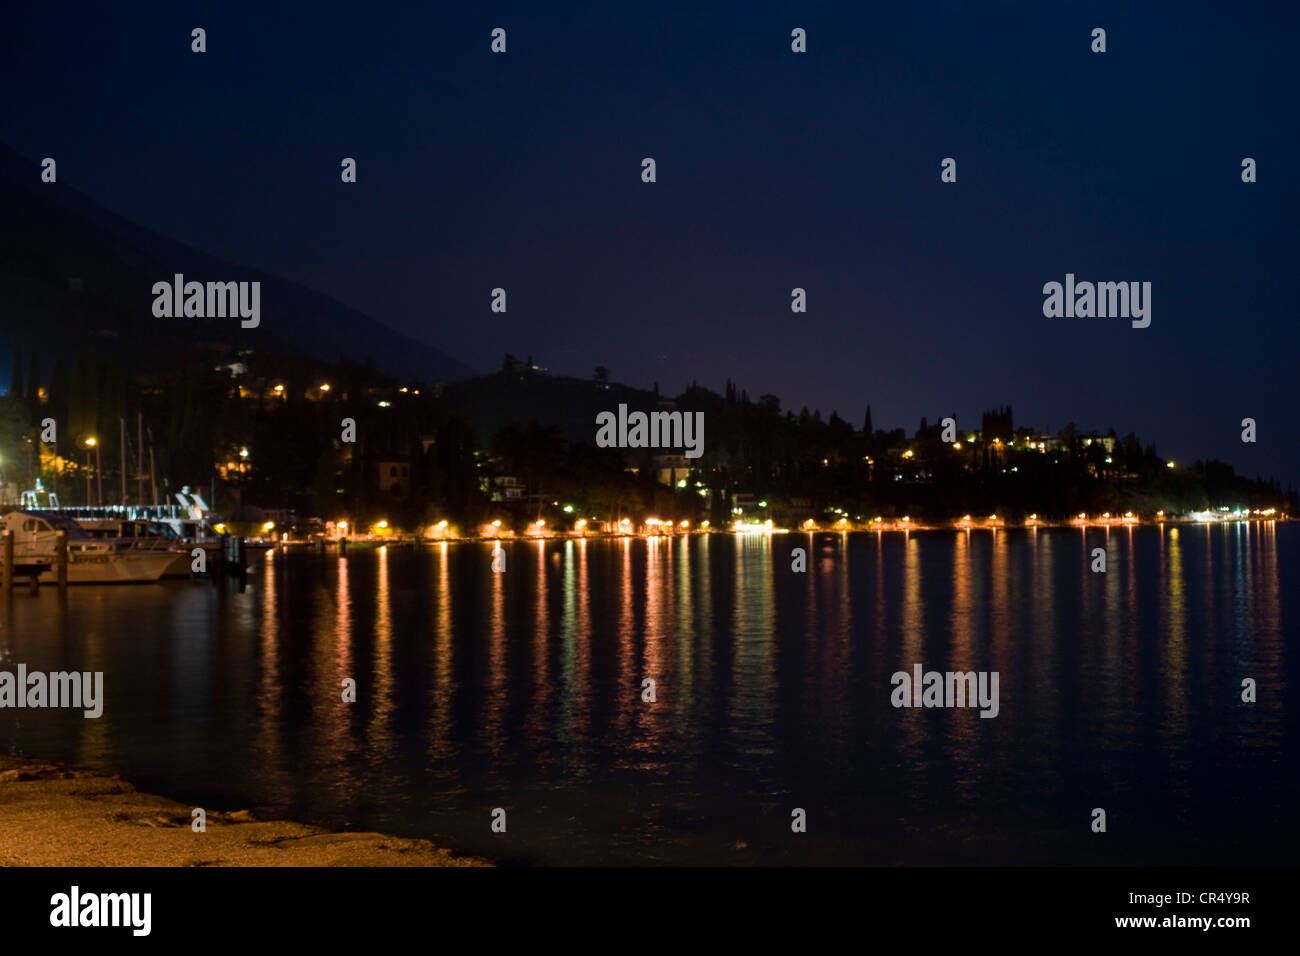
<point x="72" y="273"/>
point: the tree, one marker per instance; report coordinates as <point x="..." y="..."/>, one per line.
<point x="34" y="378"/>
<point x="16" y="376"/>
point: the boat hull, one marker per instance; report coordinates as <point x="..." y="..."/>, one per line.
<point x="114" y="568"/>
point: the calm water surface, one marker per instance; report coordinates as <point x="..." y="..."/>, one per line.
<point x="522" y="690"/>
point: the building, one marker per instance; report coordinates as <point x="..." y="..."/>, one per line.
<point x="671" y="469"/>
<point x="393" y="478"/>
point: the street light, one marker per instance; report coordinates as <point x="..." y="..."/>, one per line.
<point x="88" y="443"/>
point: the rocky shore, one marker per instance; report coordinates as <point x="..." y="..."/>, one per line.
<point x="53" y="815"/>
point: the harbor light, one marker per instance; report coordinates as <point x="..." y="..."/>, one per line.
<point x="568" y="509"/>
<point x="325" y="387"/>
<point x="90" y="442"/>
<point x="497" y="523"/>
<point x="1169" y="464"/>
<point x="268" y="525"/>
<point x="243" y="453"/>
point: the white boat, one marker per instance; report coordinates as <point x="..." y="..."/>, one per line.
<point x="137" y="535"/>
<point x="90" y="560"/>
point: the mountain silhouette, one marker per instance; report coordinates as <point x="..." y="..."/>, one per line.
<point x="73" y="274"/>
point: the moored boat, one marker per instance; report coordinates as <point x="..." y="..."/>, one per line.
<point x="90" y="560"/>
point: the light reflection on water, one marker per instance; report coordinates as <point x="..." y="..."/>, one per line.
<point x="524" y="690"/>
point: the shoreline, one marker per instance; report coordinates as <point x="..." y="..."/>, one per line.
<point x="890" y="526"/>
<point x="58" y="815"/>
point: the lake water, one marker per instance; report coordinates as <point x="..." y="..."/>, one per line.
<point x="523" y="690"/>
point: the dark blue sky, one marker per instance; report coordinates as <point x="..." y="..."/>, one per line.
<point x="775" y="170"/>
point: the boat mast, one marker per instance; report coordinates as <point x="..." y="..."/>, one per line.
<point x="121" y="429"/>
<point x="139" y="458"/>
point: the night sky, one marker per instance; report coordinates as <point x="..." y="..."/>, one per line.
<point x="775" y="170"/>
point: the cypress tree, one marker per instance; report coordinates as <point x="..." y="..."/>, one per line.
<point x="16" y="375"/>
